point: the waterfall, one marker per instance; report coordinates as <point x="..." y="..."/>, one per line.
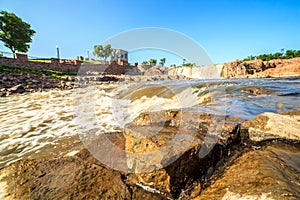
<point x="202" y="72"/>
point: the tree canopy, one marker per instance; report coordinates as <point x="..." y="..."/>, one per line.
<point x="162" y="61"/>
<point x="152" y="61"/>
<point x="278" y="55"/>
<point x="15" y="33"/>
<point x="103" y="51"/>
<point x="188" y="64"/>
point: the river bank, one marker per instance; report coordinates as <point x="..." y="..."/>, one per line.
<point x="22" y="80"/>
<point x="19" y="80"/>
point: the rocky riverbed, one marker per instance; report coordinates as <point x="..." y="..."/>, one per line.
<point x="243" y="161"/>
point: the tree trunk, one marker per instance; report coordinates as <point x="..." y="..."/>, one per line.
<point x="14" y="52"/>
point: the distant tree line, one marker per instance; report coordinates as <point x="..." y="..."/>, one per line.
<point x="188" y="64"/>
<point x="153" y="62"/>
<point x="266" y="57"/>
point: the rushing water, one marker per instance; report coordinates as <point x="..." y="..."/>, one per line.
<point x="34" y="121"/>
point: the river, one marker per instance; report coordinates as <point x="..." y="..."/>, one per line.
<point x="31" y="123"/>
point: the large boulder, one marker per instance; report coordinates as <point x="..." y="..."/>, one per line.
<point x="269" y="173"/>
<point x="17" y="89"/>
<point x="174" y="152"/>
<point x="268" y="126"/>
<point x="75" y="175"/>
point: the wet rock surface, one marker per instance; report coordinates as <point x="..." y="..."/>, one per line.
<point x="180" y="149"/>
<point x="268" y="126"/>
<point x="177" y="154"/>
<point x="71" y="173"/>
<point x="269" y="173"/>
<point x="72" y="177"/>
<point x="257" y="91"/>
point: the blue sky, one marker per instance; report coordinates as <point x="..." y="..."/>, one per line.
<point x="227" y="30"/>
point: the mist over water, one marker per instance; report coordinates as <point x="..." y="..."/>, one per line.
<point x="32" y="122"/>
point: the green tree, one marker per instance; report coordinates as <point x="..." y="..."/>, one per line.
<point x="102" y="52"/>
<point x="277" y="55"/>
<point x="162" y="61"/>
<point x="249" y="58"/>
<point x="107" y="51"/>
<point x="188" y="64"/>
<point x="266" y="57"/>
<point x="98" y="51"/>
<point x="145" y="63"/>
<point x="289" y="54"/>
<point x="152" y="61"/>
<point x="15" y="33"/>
<point x="262" y="57"/>
<point x="297" y="53"/>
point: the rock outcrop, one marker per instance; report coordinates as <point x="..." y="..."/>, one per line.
<point x="262" y="69"/>
<point x="178" y="150"/>
<point x="74" y="176"/>
<point x="268" y="126"/>
<point x="269" y="173"/>
<point x="149" y="70"/>
<point x="185" y="150"/>
<point x="171" y="154"/>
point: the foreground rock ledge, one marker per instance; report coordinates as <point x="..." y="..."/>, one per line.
<point x="270" y="126"/>
<point x="182" y="173"/>
<point x="185" y="148"/>
<point x="270" y="173"/>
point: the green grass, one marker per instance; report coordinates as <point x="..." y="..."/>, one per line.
<point x="88" y="62"/>
<point x="46" y="60"/>
<point x="19" y="70"/>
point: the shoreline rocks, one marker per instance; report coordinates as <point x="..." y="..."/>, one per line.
<point x="196" y="163"/>
<point x="269" y="173"/>
<point x="271" y="126"/>
<point x="23" y="83"/>
<point x="28" y="83"/>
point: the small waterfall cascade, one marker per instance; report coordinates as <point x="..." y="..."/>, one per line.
<point x="201" y="72"/>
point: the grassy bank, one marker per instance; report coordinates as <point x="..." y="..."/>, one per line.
<point x="18" y="70"/>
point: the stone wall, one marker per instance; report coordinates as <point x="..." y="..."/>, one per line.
<point x="113" y="68"/>
<point x="21" y="60"/>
